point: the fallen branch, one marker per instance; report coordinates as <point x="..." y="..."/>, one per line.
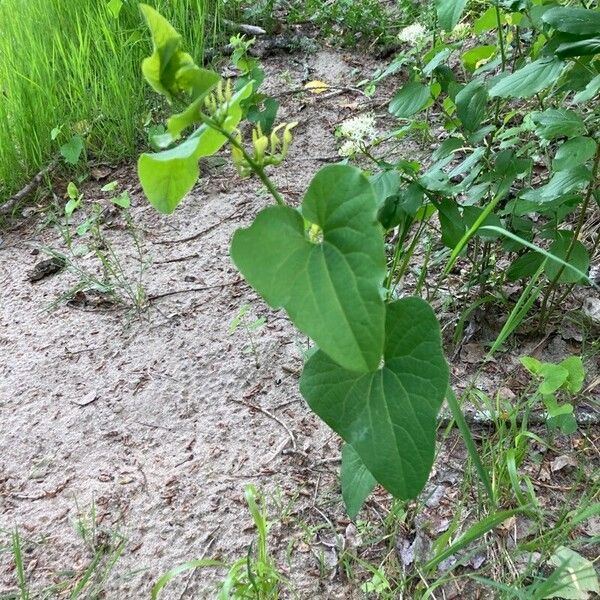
<point x="190" y="290"/>
<point x="13" y="201"/>
<point x="243" y="28"/>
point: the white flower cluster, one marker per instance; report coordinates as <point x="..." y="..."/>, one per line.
<point x="413" y="34"/>
<point x="358" y="132"/>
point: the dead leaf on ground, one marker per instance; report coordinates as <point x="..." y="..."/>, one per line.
<point x="316" y="87"/>
<point x="100" y="172"/>
<point x="563" y="461"/>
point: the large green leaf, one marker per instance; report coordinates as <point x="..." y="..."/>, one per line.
<point x="357" y="481"/>
<point x="573" y="153"/>
<point x="167" y="176"/>
<point x="578" y="21"/>
<point x="410" y="99"/>
<point x="561" y="183"/>
<point x="581" y="47"/>
<point x="529" y="80"/>
<point x="589" y="92"/>
<point x="557" y="122"/>
<point x="578" y="578"/>
<point x="388" y="415"/>
<point x="470" y="103"/>
<point x="449" y="12"/>
<point x="330" y="289"/>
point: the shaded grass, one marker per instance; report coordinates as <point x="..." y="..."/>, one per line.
<point x="74" y="65"/>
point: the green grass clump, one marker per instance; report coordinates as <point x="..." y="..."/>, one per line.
<point x="75" y="65"/>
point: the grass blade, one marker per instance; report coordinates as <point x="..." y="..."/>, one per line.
<point x="470" y="444"/>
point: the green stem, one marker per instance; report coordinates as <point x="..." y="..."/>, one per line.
<point x="500" y="35"/>
<point x="258" y="169"/>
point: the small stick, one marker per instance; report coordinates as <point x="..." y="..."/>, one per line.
<point x="264" y="411"/>
<point x="190" y="290"/>
<point x="204" y="231"/>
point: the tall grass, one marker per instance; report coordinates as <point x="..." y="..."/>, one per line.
<point x="72" y="64"/>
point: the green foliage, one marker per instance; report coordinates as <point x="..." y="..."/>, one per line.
<point x="566" y="376"/>
<point x="388" y="415"/>
<point x="521" y="151"/>
<point x="356" y="480"/>
<point x="578" y="576"/>
<point x="449" y="12"/>
<point x="253" y="576"/>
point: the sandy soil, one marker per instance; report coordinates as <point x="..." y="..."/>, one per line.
<point x="157" y="420"/>
<point x="160" y="420"/>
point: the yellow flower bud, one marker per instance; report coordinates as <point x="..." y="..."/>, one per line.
<point x="287" y="138"/>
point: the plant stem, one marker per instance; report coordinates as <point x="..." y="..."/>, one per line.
<point x="500" y="35"/>
<point x="258" y="169"/>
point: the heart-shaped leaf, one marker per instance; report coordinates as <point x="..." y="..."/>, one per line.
<point x="329" y="288"/>
<point x="388" y="415"/>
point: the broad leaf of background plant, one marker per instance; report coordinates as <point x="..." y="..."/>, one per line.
<point x="529" y="80"/>
<point x="471" y="103"/>
<point x="573" y="153"/>
<point x="357" y="481"/>
<point x="449" y="12"/>
<point x="168" y="176"/>
<point x="389" y="414"/>
<point x="579" y="258"/>
<point x="71" y="151"/>
<point x="578" y="577"/>
<point x="553" y="123"/>
<point x="410" y="100"/>
<point x="578" y="21"/>
<point x="331" y="290"/>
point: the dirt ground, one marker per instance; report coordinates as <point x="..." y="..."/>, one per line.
<point x="160" y="420"/>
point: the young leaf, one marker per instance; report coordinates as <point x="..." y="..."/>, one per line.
<point x="578" y="21"/>
<point x="357" y="481"/>
<point x="573" y="153"/>
<point x="475" y="57"/>
<point x="71" y="151"/>
<point x="529" y="80"/>
<point x="449" y="12"/>
<point x="169" y="70"/>
<point x="330" y="290"/>
<point x="389" y="414"/>
<point x="410" y="100"/>
<point x="167" y="176"/>
<point x="574" y="365"/>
